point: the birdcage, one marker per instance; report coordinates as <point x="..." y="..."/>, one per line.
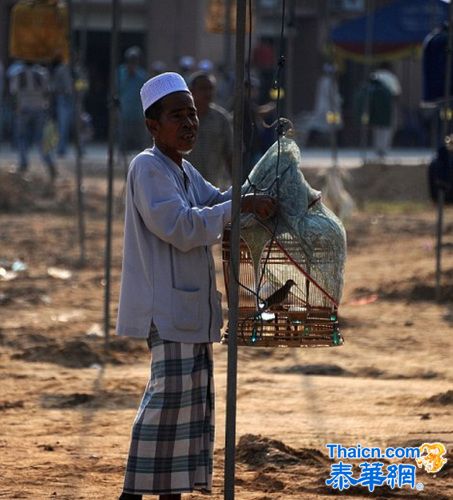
<point x="291" y="267"/>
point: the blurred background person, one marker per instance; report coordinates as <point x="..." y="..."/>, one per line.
<point x="328" y="103"/>
<point x="157" y="68"/>
<point x="225" y="88"/>
<point x="30" y="90"/>
<point x="264" y="61"/>
<point x="384" y="73"/>
<point x="206" y="65"/>
<point x="131" y="77"/>
<point x="375" y="108"/>
<point x="186" y="65"/>
<point x="63" y="102"/>
<point x="213" y="152"/>
<point x="11" y="70"/>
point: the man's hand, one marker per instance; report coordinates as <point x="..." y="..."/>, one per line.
<point x="262" y="205"/>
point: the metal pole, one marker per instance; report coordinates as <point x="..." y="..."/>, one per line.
<point x="445" y="120"/>
<point x="439" y="230"/>
<point x="113" y="103"/>
<point x="238" y="124"/>
<point x="434" y="125"/>
<point x="227" y="38"/>
<point x="291" y="34"/>
<point x="84" y="34"/>
<point x="79" y="170"/>
<point x="333" y="124"/>
<point x="333" y="117"/>
<point x="366" y="70"/>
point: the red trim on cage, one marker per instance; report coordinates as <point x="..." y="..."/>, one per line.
<point x="306" y="274"/>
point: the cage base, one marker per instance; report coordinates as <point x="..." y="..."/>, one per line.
<point x="270" y="341"/>
<point x="315" y="327"/>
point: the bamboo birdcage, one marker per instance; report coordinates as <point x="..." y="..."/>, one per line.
<point x="271" y="253"/>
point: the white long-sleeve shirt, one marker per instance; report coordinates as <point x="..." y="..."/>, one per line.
<point x="173" y="216"/>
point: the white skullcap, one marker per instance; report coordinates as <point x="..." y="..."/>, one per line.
<point x="160" y="86"/>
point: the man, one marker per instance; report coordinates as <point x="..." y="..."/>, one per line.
<point x="375" y="108"/>
<point x="186" y="66"/>
<point x="326" y="116"/>
<point x="387" y="77"/>
<point x="213" y="153"/>
<point x="63" y="101"/>
<point x="168" y="295"/>
<point x="264" y="61"/>
<point x="30" y="90"/>
<point x="131" y="78"/>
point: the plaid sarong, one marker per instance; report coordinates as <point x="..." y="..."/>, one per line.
<point x="173" y="433"/>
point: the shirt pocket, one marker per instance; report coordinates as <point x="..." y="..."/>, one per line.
<point x="186" y="309"/>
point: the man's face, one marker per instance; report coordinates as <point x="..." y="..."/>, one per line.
<point x="175" y="132"/>
<point x="203" y="93"/>
<point x="132" y="64"/>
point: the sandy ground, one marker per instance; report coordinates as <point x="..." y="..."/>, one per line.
<point x="66" y="406"/>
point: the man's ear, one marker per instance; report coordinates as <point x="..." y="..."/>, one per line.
<point x="152" y="125"/>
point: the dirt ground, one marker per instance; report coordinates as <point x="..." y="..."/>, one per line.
<point x="66" y="405"/>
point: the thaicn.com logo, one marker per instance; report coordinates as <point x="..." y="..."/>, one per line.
<point x="371" y="473"/>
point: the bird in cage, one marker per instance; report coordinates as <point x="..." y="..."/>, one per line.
<point x="293" y="263"/>
<point x="276" y="298"/>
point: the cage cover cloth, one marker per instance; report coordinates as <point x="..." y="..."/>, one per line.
<point x="305" y="228"/>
